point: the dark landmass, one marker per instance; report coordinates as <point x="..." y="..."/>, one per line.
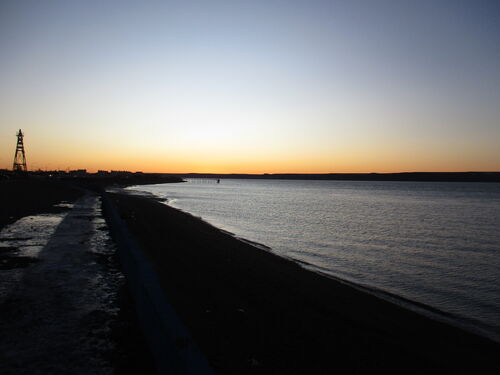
<point x="23" y="197"/>
<point x="124" y="178"/>
<point x="97" y="183"/>
<point x="101" y="178"/>
<point x="407" y="176"/>
<point x="253" y="312"/>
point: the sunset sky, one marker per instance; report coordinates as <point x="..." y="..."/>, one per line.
<point x="251" y="86"/>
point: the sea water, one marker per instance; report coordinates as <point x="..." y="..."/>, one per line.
<point x="431" y="246"/>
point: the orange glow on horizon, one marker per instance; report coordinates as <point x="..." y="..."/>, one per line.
<point x="174" y="165"/>
<point x="258" y="157"/>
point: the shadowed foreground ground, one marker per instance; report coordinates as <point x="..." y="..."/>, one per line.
<point x="253" y="312"/>
<point x="39" y="306"/>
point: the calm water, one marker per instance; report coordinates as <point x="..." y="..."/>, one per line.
<point x="436" y="244"/>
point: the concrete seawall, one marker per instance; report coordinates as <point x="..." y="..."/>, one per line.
<point x="173" y="349"/>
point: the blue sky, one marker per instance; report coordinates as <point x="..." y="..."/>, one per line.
<point x="263" y="86"/>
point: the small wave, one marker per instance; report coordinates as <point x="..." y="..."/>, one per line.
<point x="253" y="243"/>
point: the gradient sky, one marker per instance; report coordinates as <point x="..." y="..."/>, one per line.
<point x="251" y="86"/>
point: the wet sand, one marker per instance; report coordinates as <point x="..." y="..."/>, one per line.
<point x="62" y="311"/>
<point x="253" y="312"/>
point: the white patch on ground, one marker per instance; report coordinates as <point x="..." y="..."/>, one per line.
<point x="64" y="205"/>
<point x="28" y="236"/>
<point x="57" y="317"/>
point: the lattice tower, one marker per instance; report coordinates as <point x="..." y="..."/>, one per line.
<point x="20" y="156"/>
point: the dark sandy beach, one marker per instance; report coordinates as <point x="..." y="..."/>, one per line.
<point x="253" y="312"/>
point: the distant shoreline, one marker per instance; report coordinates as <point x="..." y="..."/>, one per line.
<point x="404" y="176"/>
<point x="125" y="178"/>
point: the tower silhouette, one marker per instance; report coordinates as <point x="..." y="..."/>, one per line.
<point x="20" y="156"/>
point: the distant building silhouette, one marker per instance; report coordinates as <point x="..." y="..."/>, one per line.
<point x="78" y="173"/>
<point x="20" y="156"/>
